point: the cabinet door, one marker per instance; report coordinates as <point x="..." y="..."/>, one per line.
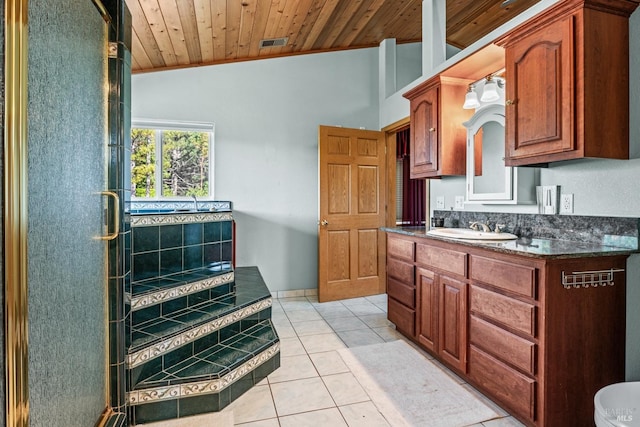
<point x="540" y="94"/>
<point x="428" y="309"/>
<point x="452" y="336"/>
<point x="424" y="134"/>
<point x="403" y="317"/>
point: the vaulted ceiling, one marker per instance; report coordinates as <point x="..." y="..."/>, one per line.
<point x="182" y="33"/>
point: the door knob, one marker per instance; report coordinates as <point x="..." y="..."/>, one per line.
<point x="324" y="222"/>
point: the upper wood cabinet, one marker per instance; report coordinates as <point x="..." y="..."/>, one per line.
<point x="567" y="85"/>
<point x="438" y="138"/>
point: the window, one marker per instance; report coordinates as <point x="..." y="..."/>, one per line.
<point x="171" y="160"/>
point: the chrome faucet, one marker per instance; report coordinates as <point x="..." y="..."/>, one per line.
<point x="195" y="202"/>
<point x="476" y="225"/>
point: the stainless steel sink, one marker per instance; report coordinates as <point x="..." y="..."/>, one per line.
<point x="468" y="234"/>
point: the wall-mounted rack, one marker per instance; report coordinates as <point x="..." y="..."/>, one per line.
<point x="586" y="279"/>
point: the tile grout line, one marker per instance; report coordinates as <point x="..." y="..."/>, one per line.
<point x="313" y="302"/>
<point x="349" y="370"/>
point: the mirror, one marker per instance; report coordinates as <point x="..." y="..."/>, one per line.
<point x="488" y="180"/>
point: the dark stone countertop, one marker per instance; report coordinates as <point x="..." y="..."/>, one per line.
<point x="526" y="246"/>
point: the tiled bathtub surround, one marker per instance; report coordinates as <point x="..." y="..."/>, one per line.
<point x="206" y="359"/>
<point x="199" y="331"/>
<point x="179" y="244"/>
<point x="609" y="231"/>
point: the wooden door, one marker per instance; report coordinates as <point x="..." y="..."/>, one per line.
<point x="540" y="90"/>
<point x="452" y="335"/>
<point x="424" y="134"/>
<point x="428" y="309"/>
<point x="351" y="246"/>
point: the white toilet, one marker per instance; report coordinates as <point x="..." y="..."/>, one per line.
<point x="618" y="405"/>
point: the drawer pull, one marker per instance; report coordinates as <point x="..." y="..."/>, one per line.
<point x="586" y="279"/>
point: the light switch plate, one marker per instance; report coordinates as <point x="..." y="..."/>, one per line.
<point x="459" y="202"/>
<point x="440" y="202"/>
<point x="549" y="199"/>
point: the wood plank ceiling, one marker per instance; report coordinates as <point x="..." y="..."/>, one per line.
<point x="182" y="33"/>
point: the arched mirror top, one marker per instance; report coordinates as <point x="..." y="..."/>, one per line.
<point x="488" y="180"/>
<point x="490" y="113"/>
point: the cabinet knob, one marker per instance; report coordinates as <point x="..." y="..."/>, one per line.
<point x="510" y="102"/>
<point x="432" y="129"/>
<point x="324" y="222"/>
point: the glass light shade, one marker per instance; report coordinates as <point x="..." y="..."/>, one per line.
<point x="490" y="92"/>
<point x="471" y="100"/>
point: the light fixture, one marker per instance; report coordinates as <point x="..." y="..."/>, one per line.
<point x="471" y="99"/>
<point x="490" y="90"/>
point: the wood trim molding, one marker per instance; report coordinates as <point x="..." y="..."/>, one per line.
<point x="396" y="126"/>
<point x="15" y="214"/>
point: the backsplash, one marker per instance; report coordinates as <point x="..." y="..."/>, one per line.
<point x="610" y="231"/>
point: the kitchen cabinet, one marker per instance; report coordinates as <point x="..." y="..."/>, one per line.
<point x="533" y="333"/>
<point x="563" y="101"/>
<point x="438" y="138"/>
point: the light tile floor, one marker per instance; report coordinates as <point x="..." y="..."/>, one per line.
<point x="313" y="386"/>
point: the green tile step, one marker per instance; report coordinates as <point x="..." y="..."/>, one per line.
<point x="157" y="290"/>
<point x="208" y="380"/>
<point x="161" y="334"/>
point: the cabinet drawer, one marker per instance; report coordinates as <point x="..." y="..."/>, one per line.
<point x="515" y="390"/>
<point x="443" y="259"/>
<point x="404" y="318"/>
<point x="401" y="248"/>
<point x="401" y="292"/>
<point x="502" y="344"/>
<point x="507" y="311"/>
<point x="401" y="271"/>
<point x="511" y="277"/>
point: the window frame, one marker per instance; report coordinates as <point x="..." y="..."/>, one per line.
<point x="158" y="126"/>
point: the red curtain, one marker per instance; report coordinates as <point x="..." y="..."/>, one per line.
<point x="413" y="190"/>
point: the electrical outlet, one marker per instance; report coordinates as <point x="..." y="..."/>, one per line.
<point x="566" y="203"/>
<point x="459" y="202"/>
<point x="440" y="202"/>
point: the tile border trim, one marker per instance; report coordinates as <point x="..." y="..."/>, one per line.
<point x="178" y="391"/>
<point x="149" y="299"/>
<point x="165" y="346"/>
<point x="179" y="218"/>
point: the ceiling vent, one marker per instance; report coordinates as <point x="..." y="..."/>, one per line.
<point x="282" y="41"/>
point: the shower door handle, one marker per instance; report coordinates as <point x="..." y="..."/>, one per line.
<point x="116" y="216"/>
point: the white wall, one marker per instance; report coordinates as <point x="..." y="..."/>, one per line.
<point x="409" y="63"/>
<point x="266" y="116"/>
